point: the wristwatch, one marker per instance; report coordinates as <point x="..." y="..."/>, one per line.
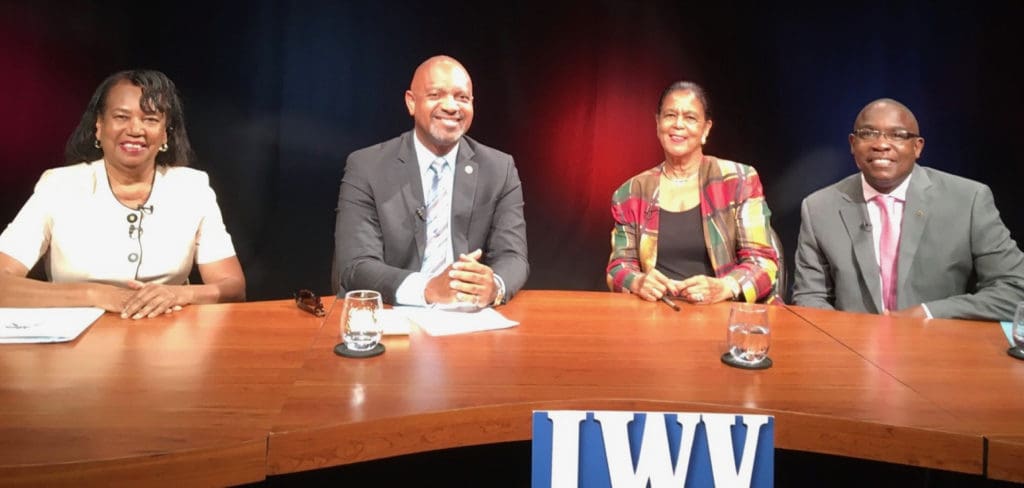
<point x="499" y="284"/>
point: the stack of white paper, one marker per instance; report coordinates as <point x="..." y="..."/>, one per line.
<point x="40" y="325"/>
<point x="395" y="321"/>
<point x="438" y="322"/>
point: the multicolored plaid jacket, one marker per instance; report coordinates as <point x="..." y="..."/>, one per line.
<point x="736" y="228"/>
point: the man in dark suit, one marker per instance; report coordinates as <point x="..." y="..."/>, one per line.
<point x="432" y="179"/>
<point x="903" y="239"/>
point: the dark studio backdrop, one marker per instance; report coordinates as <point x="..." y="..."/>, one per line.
<point x="278" y="93"/>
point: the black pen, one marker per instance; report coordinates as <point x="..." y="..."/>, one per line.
<point x="668" y="301"/>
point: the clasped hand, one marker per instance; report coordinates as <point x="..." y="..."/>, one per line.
<point x="653" y="285"/>
<point x="464" y="281"/>
<point x="143" y="300"/>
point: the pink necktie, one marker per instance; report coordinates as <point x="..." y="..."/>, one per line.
<point x="888" y="247"/>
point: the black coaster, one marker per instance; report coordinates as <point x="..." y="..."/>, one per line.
<point x="731" y="361"/>
<point x="1017" y="352"/>
<point x="344" y="351"/>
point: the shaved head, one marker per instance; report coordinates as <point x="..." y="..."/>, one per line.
<point x="424" y="68"/>
<point x="440" y="101"/>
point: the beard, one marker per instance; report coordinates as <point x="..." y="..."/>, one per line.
<point x="446" y="137"/>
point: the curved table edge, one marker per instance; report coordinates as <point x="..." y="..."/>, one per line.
<point x="339" y="444"/>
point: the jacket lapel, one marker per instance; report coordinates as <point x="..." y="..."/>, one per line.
<point x="915" y="216"/>
<point x="464" y="193"/>
<point x="855" y="216"/>
<point x="408" y="171"/>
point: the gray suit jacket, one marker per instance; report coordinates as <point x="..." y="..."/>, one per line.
<point x="955" y="254"/>
<point x="380" y="233"/>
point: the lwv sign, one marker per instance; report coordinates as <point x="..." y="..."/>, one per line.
<point x="635" y="450"/>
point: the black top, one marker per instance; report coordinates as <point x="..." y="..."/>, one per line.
<point x="681" y="249"/>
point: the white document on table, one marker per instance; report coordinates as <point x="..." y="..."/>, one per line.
<point x="437" y="322"/>
<point x="395" y="321"/>
<point x="44" y="325"/>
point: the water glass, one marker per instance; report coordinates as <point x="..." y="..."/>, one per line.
<point x="361" y="326"/>
<point x="749" y="333"/>
<point x="1018" y="327"/>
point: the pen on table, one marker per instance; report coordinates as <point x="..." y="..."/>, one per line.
<point x="668" y="301"/>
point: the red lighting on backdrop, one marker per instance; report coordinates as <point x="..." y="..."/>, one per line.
<point x="43" y="92"/>
<point x="594" y="128"/>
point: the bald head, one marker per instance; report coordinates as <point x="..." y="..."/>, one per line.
<point x="888" y="104"/>
<point x="440" y="100"/>
<point x="441" y="61"/>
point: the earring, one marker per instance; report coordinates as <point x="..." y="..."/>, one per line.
<point x="96" y="143"/>
<point x="163" y="147"/>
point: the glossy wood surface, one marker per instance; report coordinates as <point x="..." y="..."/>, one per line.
<point x="186" y="399"/>
<point x="595" y="350"/>
<point x="226" y="394"/>
<point x="1006" y="458"/>
<point x="961" y="366"/>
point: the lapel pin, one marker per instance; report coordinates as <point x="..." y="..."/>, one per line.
<point x="469" y="170"/>
<point x="919" y="213"/>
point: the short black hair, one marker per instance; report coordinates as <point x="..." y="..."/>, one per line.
<point x="158" y="95"/>
<point x="697" y="90"/>
<point x="888" y="101"/>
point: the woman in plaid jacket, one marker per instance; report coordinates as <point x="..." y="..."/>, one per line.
<point x="715" y="242"/>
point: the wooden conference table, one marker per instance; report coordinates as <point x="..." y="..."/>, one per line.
<point x="228" y="394"/>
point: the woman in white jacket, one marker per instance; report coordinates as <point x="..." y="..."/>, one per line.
<point x="121" y="226"/>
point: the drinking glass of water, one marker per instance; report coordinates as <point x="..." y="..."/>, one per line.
<point x="361" y="327"/>
<point x="749" y="333"/>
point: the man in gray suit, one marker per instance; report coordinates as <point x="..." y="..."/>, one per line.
<point x="903" y="239"/>
<point x="476" y="251"/>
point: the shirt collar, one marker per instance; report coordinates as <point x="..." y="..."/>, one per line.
<point x="899" y="193"/>
<point x="424" y="157"/>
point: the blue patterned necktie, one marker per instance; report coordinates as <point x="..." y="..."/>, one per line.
<point x="435" y="254"/>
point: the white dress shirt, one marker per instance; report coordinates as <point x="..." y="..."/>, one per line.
<point x="413" y="287"/>
<point x="895" y="200"/>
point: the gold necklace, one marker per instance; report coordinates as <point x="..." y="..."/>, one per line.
<point x="679" y="179"/>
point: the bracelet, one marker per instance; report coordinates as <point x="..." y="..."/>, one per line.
<point x="734" y="287"/>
